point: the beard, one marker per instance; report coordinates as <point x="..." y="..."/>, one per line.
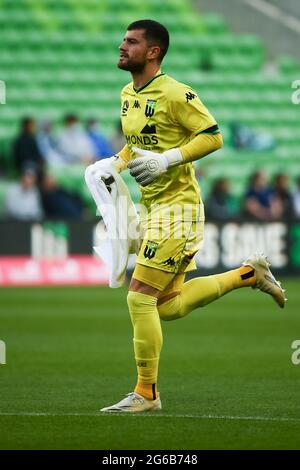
<point x="133" y="67"/>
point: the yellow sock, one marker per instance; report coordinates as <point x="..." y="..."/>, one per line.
<point x="248" y="277"/>
<point x="146" y="390"/>
<point x="201" y="291"/>
<point x="147" y="340"/>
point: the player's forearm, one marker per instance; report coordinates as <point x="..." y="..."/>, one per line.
<point x="201" y="145"/>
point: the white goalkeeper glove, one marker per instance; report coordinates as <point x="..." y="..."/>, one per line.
<point x="151" y="165"/>
<point x="104" y="167"/>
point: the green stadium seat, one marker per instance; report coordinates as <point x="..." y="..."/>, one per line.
<point x="214" y="24"/>
<point x="288" y="65"/>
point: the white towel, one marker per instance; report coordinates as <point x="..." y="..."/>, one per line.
<point x="118" y="232"/>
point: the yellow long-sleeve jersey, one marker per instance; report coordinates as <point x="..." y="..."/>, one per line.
<point x="161" y="115"/>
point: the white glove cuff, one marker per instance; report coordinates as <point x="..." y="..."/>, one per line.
<point x="173" y="157"/>
<point x="118" y="163"/>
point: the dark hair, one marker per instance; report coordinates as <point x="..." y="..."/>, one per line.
<point x="68" y="118"/>
<point x="26" y="121"/>
<point x="154" y="32"/>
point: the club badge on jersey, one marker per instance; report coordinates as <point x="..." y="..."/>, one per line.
<point x="150" y="249"/>
<point x="150" y="108"/>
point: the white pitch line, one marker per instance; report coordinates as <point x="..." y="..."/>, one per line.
<point x="276" y="13"/>
<point x="156" y="415"/>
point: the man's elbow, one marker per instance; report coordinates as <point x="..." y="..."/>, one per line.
<point x="218" y="141"/>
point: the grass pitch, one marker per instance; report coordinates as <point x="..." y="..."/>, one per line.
<point x="226" y="376"/>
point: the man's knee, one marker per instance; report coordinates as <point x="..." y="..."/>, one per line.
<point x="172" y="309"/>
<point x="140" y="305"/>
<point x="133" y="300"/>
<point x="137" y="299"/>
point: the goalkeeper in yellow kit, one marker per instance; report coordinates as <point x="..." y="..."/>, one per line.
<point x="167" y="127"/>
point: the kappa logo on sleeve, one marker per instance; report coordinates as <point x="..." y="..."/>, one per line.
<point x="190" y="96"/>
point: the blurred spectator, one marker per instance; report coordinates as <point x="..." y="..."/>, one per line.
<point x="200" y="173"/>
<point x="283" y="195"/>
<point x="260" y="201"/>
<point x="47" y="143"/>
<point x="57" y="202"/>
<point x="296" y="200"/>
<point x="25" y="147"/>
<point x="102" y="146"/>
<point x="220" y="204"/>
<point x="2" y="164"/>
<point x="23" y="199"/>
<point x="118" y="140"/>
<point x="244" y="138"/>
<point x="73" y="142"/>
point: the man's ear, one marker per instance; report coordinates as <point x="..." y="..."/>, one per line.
<point x="153" y="52"/>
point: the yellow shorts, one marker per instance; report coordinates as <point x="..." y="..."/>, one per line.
<point x="170" y="245"/>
